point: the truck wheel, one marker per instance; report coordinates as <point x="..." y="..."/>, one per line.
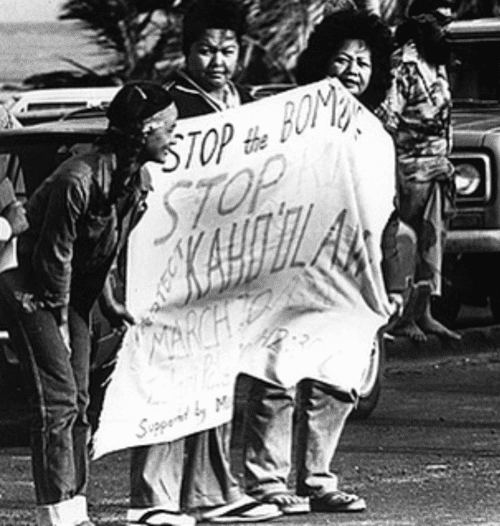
<point x="371" y="386"/>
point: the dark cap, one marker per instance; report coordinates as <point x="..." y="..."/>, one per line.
<point x="136" y="102"/>
<point x="420" y="7"/>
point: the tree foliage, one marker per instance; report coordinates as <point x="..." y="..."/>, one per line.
<point x="139" y="33"/>
<point x="142" y="37"/>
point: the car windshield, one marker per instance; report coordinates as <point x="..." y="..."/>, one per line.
<point x="475" y="73"/>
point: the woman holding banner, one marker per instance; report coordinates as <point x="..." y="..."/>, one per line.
<point x="354" y="47"/>
<point x="193" y="473"/>
<point x="80" y="218"/>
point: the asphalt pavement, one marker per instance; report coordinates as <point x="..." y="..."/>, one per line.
<point x="428" y="455"/>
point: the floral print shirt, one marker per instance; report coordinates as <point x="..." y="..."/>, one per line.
<point x="417" y="113"/>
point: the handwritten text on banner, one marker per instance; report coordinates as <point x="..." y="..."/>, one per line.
<point x="259" y="252"/>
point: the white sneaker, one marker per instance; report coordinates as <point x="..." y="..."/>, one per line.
<point x="71" y="512"/>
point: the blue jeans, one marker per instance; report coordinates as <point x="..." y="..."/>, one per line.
<point x="189" y="473"/>
<point x="57" y="385"/>
<point x="320" y="416"/>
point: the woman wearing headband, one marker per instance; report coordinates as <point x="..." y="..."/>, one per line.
<point x="80" y="218"/>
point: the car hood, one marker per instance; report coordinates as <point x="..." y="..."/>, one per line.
<point x="486" y="120"/>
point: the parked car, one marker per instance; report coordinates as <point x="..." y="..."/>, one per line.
<point x="36" y="106"/>
<point x="472" y="256"/>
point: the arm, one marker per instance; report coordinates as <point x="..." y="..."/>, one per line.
<point x="12" y="213"/>
<point x="114" y="311"/>
<point x="391" y="109"/>
<point x="57" y="208"/>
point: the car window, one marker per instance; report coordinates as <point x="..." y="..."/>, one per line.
<point x="475" y="73"/>
<point x="40" y="106"/>
<point x="28" y="162"/>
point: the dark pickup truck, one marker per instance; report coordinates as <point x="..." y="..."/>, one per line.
<point x="472" y="259"/>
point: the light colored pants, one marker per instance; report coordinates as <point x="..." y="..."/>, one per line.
<point x="320" y="419"/>
<point x="189" y="473"/>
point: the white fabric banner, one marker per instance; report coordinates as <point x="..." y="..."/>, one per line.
<point x="259" y="252"/>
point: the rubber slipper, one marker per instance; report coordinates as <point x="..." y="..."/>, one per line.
<point x="245" y="509"/>
<point x="288" y="503"/>
<point x="160" y="517"/>
<point x="338" y="501"/>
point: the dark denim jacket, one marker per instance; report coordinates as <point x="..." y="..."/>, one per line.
<point x="75" y="232"/>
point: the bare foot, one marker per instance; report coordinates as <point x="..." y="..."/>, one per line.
<point x="430" y="325"/>
<point x="408" y="328"/>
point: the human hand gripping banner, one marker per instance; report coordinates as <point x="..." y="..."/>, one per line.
<point x="259" y="252"/>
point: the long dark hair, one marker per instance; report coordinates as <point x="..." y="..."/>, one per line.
<point x="329" y="35"/>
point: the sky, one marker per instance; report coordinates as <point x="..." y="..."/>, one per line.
<point x="29" y="10"/>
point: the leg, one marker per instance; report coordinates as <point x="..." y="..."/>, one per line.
<point x="268" y="446"/>
<point x="414" y="308"/>
<point x="421" y="208"/>
<point x="209" y="487"/>
<point x="80" y="361"/>
<point x="155" y="484"/>
<point x="156" y="475"/>
<point x="399" y="246"/>
<point x="320" y="423"/>
<point x="431" y="249"/>
<point x="268" y="438"/>
<point x="52" y="390"/>
<point x="208" y="480"/>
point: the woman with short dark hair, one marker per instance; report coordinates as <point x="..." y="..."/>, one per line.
<point x="211" y="41"/>
<point x="193" y="473"/>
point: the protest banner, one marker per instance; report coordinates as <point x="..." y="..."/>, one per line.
<point x="259" y="252"/>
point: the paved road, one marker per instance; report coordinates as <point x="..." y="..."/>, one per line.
<point x="429" y="454"/>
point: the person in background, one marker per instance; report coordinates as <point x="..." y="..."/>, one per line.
<point x="80" y="218"/>
<point x="193" y="473"/>
<point x="354" y="47"/>
<point x="13" y="219"/>
<point x="417" y="114"/>
<point x="12" y="214"/>
<point x="211" y="43"/>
